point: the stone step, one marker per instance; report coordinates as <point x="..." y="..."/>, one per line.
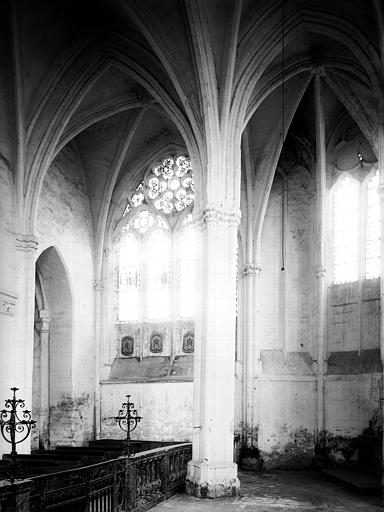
<point x="356" y="479"/>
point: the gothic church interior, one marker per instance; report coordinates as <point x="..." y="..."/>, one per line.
<point x="191" y="195"/>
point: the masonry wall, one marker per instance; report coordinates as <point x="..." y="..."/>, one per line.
<point x="353" y="384"/>
<point x="166" y="409"/>
<point x="354" y="379"/>
<point x="8" y="294"/>
<point x="64" y="222"/>
<point x="285" y="326"/>
<point x="286" y="400"/>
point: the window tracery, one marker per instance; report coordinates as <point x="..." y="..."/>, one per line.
<point x="156" y="251"/>
<point x="168" y="186"/>
<point x="356" y="228"/>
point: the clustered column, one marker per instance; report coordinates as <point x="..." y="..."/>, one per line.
<point x="252" y="367"/>
<point x="320" y="254"/>
<point x="42" y="325"/>
<point x="212" y="472"/>
<point x="381" y="192"/>
<point x="19" y="355"/>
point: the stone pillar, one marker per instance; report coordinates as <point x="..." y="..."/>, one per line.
<point x="99" y="324"/>
<point x="212" y="472"/>
<point x="321" y="296"/>
<point x="250" y="272"/>
<point x="21" y="352"/>
<point x="381" y="192"/>
<point x="8" y="306"/>
<point x="42" y="325"/>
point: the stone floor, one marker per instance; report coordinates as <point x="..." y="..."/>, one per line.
<point x="280" y="491"/>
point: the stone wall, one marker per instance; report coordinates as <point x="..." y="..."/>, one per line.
<point x="166" y="409"/>
<point x="8" y="288"/>
<point x="285" y="326"/>
<point x="64" y="225"/>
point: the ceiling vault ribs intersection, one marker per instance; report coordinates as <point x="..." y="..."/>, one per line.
<point x="140" y="76"/>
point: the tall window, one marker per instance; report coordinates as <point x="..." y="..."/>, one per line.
<point x="186" y="271"/>
<point x="356" y="229"/>
<point x="373" y="241"/>
<point x="155" y="249"/>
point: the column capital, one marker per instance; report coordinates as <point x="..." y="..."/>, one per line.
<point x="218" y="215"/>
<point x="250" y="269"/>
<point x="26" y="242"/>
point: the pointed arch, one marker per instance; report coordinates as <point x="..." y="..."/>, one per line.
<point x="317" y="20"/>
<point x="77" y="76"/>
<point x="56" y="358"/>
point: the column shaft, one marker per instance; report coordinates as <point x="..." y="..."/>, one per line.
<point x="212" y="472"/>
<point x="320" y="350"/>
<point x="381" y="191"/>
<point x="251" y="356"/>
<point x="43" y="419"/>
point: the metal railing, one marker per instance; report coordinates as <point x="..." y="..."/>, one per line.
<point x="122" y="484"/>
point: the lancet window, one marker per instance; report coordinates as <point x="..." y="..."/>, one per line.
<point x="156" y="248"/>
<point x="356" y="228"/>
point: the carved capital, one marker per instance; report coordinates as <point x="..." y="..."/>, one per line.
<point x="98" y="285"/>
<point x="250" y="269"/>
<point x="213" y="215"/>
<point x="26" y="242"/>
<point x="7" y="303"/>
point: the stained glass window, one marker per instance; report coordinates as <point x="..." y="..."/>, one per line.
<point x="168" y="186"/>
<point x="158" y="268"/>
<point x="128" y="279"/>
<point x="346" y="230"/>
<point x="356" y="229"/>
<point x="187" y="273"/>
<point x="156" y="258"/>
<point x="373" y="244"/>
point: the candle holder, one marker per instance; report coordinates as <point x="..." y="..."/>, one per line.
<point x="127" y="418"/>
<point x="15" y="426"/>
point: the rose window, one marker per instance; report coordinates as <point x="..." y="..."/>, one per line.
<point x="168" y="186"/>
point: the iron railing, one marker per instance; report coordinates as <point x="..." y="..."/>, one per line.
<point x="119" y="485"/>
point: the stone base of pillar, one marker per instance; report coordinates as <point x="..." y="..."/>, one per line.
<point x="209" y="480"/>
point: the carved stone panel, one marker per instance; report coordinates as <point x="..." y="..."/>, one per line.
<point x="156" y="342"/>
<point x="188" y="342"/>
<point x="127" y="345"/>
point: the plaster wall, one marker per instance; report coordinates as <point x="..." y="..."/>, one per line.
<point x="286" y="330"/>
<point x="9" y="312"/>
<point x="350" y="402"/>
<point x="64" y="221"/>
<point x="287" y="422"/>
<point x="353" y="386"/>
<point x="285" y="326"/>
<point x="166" y="409"/>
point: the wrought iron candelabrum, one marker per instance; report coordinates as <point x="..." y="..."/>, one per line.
<point x="15" y="426"/>
<point x="127" y="418"/>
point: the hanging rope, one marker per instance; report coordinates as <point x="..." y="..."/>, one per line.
<point x="283" y="140"/>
